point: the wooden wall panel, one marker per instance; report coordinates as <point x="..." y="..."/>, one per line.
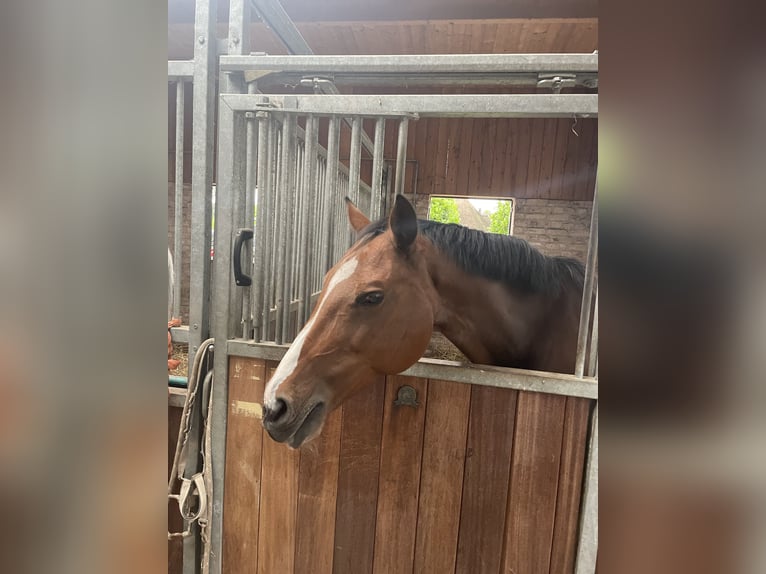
<point x="441" y="477"/>
<point x="485" y="482"/>
<point x="400" y="460"/>
<point x="359" y="468"/>
<point x="573" y="448"/>
<point x="534" y="482"/>
<point x="317" y="498"/>
<point x="279" y="498"/>
<point x="244" y="440"/>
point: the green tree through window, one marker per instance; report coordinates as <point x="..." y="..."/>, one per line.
<point x="444" y="210"/>
<point x="500" y="219"/>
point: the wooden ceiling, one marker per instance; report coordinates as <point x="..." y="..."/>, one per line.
<point x="180" y="11"/>
<point x="417" y="37"/>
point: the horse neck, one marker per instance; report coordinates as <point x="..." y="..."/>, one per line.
<point x="492" y="323"/>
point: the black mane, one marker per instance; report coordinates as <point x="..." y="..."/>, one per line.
<point x="503" y="258"/>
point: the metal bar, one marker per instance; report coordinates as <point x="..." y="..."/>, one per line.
<point x="424" y="78"/>
<point x="416" y="64"/>
<point x="593" y="356"/>
<point x="179" y="198"/>
<point x="587" y="547"/>
<point x="487" y="375"/>
<point x="178" y="69"/>
<point x="377" y="170"/>
<point x="439" y="105"/>
<point x="333" y="137"/>
<point x="281" y="239"/>
<point x="268" y="226"/>
<point x="401" y="156"/>
<point x="251" y="145"/>
<point x="260" y="232"/>
<point x="180" y="334"/>
<point x="329" y="88"/>
<point x="274" y="15"/>
<point x="587" y="291"/>
<point x="355" y="159"/>
<point x="309" y="192"/>
<point x="288" y="221"/>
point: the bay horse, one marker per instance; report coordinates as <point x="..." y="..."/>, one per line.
<point x="498" y="299"/>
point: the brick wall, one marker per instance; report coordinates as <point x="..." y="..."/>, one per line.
<point x="555" y="227"/>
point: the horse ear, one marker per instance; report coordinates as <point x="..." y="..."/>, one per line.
<point x="403" y="223"/>
<point x="356" y="218"/>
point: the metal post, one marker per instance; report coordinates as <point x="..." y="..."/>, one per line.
<point x="354" y="167"/>
<point x="179" y="198"/>
<point x="587" y="547"/>
<point x="401" y="156"/>
<point x="587" y="292"/>
<point x="377" y="170"/>
<point x="227" y="310"/>
<point x="333" y="135"/>
<point x="203" y="122"/>
<point x="288" y="222"/>
<point x="260" y="233"/>
<point x="593" y="356"/>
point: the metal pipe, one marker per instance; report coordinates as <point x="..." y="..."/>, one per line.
<point x="309" y="190"/>
<point x="593" y="356"/>
<point x="281" y="236"/>
<point x="401" y="156"/>
<point x="288" y="221"/>
<point x="439" y="105"/>
<point x="261" y="221"/>
<point x="179" y="199"/>
<point x="268" y="230"/>
<point x="415" y="64"/>
<point x="251" y="149"/>
<point x="377" y="170"/>
<point x="333" y="135"/>
<point x="587" y="292"/>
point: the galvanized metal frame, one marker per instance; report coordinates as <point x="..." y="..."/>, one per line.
<point x="273" y="112"/>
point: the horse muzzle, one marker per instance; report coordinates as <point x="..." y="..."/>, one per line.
<point x="293" y="429"/>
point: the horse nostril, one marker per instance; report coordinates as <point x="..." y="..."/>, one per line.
<point x="274" y="415"/>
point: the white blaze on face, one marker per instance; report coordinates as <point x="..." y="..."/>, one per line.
<point x="290" y="360"/>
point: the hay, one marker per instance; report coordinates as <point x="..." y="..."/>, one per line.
<point x="181" y="353"/>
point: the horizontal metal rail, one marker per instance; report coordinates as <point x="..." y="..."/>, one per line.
<point x="421" y="64"/>
<point x="180" y="334"/>
<point x="518" y="379"/>
<point x="441" y="105"/>
<point x="180" y="69"/>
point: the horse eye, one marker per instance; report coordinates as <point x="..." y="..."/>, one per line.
<point x="369" y="299"/>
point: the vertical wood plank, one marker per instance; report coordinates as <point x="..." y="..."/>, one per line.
<point x="317" y="498"/>
<point x="400" y="458"/>
<point x="537" y="131"/>
<point x="573" y="449"/>
<point x="279" y="497"/>
<point x="463" y="156"/>
<point x="560" y="181"/>
<point x="570" y="181"/>
<point x="510" y="162"/>
<point x="499" y="157"/>
<point x="453" y="155"/>
<point x="534" y="482"/>
<point x="359" y="467"/>
<point x="242" y="478"/>
<point x="485" y="481"/>
<point x="440" y="174"/>
<point x="488" y="157"/>
<point x="477" y="161"/>
<point x="175" y="522"/>
<point x="546" y="157"/>
<point x="524" y="182"/>
<point x="584" y="154"/>
<point x="441" y="477"/>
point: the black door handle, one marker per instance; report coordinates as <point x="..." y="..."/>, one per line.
<point x="241" y="236"/>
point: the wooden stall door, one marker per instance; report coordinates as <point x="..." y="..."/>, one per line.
<point x="471" y="480"/>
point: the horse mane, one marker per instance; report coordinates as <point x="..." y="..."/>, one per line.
<point x="502" y="258"/>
